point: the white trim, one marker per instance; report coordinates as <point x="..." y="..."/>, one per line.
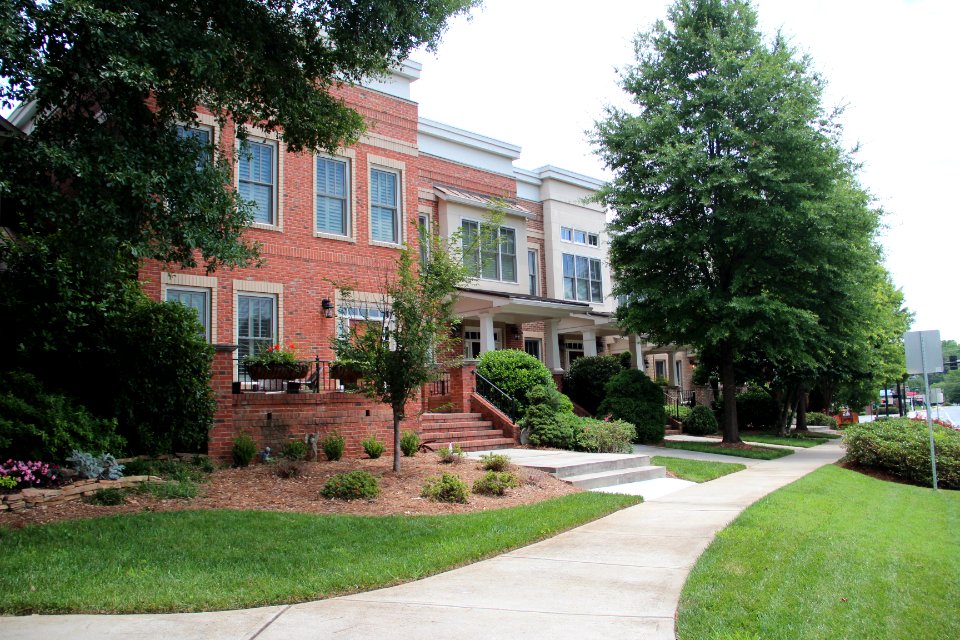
<point x="516" y="257"/>
<point x="467" y="138"/>
<point x="398" y="168"/>
<point x="185" y="280"/>
<point x="350" y="157"/>
<point x="256" y="134"/>
<point x="247" y="287"/>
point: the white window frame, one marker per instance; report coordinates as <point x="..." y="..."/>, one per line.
<point x="399" y="169"/>
<point x="347" y="156"/>
<point x="204" y="316"/>
<point x="576" y="277"/>
<point x="207" y="284"/>
<point x="471" y="338"/>
<point x="539" y="347"/>
<point x="500" y="255"/>
<point x="533" y="275"/>
<point x="423" y="236"/>
<point x="257" y="135"/>
<point x="570" y="234"/>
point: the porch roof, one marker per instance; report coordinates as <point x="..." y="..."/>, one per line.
<point x="603" y="324"/>
<point x="514" y="308"/>
<point x="481" y="200"/>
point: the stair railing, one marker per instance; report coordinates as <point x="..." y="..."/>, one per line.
<point x="498" y="397"/>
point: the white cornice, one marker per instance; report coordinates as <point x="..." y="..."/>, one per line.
<point x="467" y="138"/>
<point x="550" y="172"/>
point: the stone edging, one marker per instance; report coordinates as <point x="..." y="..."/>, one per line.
<point x="29" y="498"/>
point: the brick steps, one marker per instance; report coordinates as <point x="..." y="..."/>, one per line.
<point x="468" y="430"/>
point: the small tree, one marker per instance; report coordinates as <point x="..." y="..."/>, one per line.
<point x="413" y="343"/>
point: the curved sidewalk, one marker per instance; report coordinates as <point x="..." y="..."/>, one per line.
<point x="619" y="576"/>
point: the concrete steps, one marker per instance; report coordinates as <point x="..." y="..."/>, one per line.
<point x="602" y="470"/>
<point x="468" y="430"/>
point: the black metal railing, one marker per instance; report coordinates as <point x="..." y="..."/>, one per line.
<point x="673" y="399"/>
<point x="498" y="397"/>
<point x="316" y="377"/>
<point x="440" y="386"/>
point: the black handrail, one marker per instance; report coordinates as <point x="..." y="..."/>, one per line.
<point x="498" y="397"/>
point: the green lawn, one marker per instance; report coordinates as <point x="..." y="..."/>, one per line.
<point x="209" y="560"/>
<point x="696" y="470"/>
<point x="761" y="453"/>
<point x="789" y="441"/>
<point x="834" y="555"/>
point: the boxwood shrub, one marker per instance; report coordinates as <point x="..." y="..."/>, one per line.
<point x="514" y="372"/>
<point x="901" y="447"/>
<point x="631" y="396"/>
<point x="584" y="382"/>
<point x="701" y="421"/>
<point x="817" y="419"/>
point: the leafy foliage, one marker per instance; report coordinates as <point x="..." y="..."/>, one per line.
<point x="37" y="424"/>
<point x="353" y="485"/>
<point x="495" y="461"/>
<point x="495" y="483"/>
<point x="244" y="450"/>
<point x="451" y="455"/>
<point x="817" y="419"/>
<point x="514" y="372"/>
<point x="409" y="443"/>
<point x="586" y="378"/>
<point x="701" y="421"/>
<point x="333" y="445"/>
<point x="372" y="446"/>
<point x="756" y="409"/>
<point x="902" y="447"/>
<point x="604" y="436"/>
<point x="109" y="497"/>
<point x="96" y="467"/>
<point x="294" y="450"/>
<point x="545" y="418"/>
<point x="445" y="488"/>
<point x="631" y="396"/>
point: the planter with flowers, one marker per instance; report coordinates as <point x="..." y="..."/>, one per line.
<point x="278" y="362"/>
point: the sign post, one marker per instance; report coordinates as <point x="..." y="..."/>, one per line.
<point x="924" y="354"/>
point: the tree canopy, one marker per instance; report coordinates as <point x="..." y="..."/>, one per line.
<point x="740" y="227"/>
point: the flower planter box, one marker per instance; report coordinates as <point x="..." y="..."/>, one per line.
<point x="293" y="371"/>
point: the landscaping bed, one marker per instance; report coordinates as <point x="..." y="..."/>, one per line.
<point x="257" y="488"/>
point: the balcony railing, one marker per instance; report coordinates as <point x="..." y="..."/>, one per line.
<point x="315" y="379"/>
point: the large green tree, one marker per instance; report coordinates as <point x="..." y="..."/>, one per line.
<point x="727" y="178"/>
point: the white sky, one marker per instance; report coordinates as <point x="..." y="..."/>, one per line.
<point x="538" y="73"/>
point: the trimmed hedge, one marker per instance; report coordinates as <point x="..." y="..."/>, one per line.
<point x="817" y="419"/>
<point x="631" y="396"/>
<point x="701" y="421"/>
<point x="587" y="377"/>
<point x="901" y="447"/>
<point x="756" y="409"/>
<point x="514" y="372"/>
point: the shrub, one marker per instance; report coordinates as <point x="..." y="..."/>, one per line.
<point x="514" y="372"/>
<point x="547" y="428"/>
<point x="495" y="483"/>
<point x="288" y="468"/>
<point x="101" y="467"/>
<point x="601" y="436"/>
<point x="451" y="455"/>
<point x="7" y="482"/>
<point x="354" y="485"/>
<point x="373" y="447"/>
<point x="680" y="412"/>
<point x="701" y="421"/>
<point x="29" y="473"/>
<point x="584" y="382"/>
<point x="756" y="409"/>
<point x="495" y="462"/>
<point x="817" y="419"/>
<point x="902" y="447"/>
<point x="294" y="450"/>
<point x="195" y="471"/>
<point x="177" y="490"/>
<point x="409" y="443"/>
<point x="549" y="395"/>
<point x="333" y="445"/>
<point x="109" y="497"/>
<point x="38" y="425"/>
<point x="631" y="396"/>
<point x="445" y="488"/>
<point x="244" y="450"/>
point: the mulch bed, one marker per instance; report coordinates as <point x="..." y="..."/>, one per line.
<point x="257" y="488"/>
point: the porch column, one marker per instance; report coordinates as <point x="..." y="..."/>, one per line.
<point x="671" y="368"/>
<point x="551" y="346"/>
<point x="487" y="342"/>
<point x="636" y="351"/>
<point x="589" y="343"/>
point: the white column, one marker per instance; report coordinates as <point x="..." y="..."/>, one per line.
<point x="636" y="351"/>
<point x="486" y="333"/>
<point x="589" y="343"/>
<point x="551" y="346"/>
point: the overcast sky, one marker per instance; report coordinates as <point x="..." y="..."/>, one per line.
<point x="537" y="73"/>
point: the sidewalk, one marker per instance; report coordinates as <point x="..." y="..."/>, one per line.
<point x="619" y="576"/>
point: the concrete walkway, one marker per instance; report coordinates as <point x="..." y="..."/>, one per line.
<point x="619" y="576"/>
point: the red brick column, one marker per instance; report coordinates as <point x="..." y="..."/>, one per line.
<point x="462" y="386"/>
<point x="220" y="440"/>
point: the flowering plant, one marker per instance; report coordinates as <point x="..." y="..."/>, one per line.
<point x="277" y="354"/>
<point x="30" y="472"/>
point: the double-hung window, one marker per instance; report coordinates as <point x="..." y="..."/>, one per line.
<point x="333" y="202"/>
<point x="582" y="279"/>
<point x="490" y="252"/>
<point x="202" y="136"/>
<point x="258" y="179"/>
<point x="423" y="227"/>
<point x="532" y="271"/>
<point x="256" y="323"/>
<point x="384" y="206"/>
<point x="196" y="299"/>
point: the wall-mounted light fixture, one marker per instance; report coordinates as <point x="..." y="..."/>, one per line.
<point x="517" y="332"/>
<point x="327" y="307"/>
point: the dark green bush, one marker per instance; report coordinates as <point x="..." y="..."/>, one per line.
<point x="294" y="450"/>
<point x="445" y="488"/>
<point x="604" y="436"/>
<point x="495" y="462"/>
<point x="409" y="443"/>
<point x="701" y="421"/>
<point x="38" y="425"/>
<point x="756" y="409"/>
<point x="549" y="395"/>
<point x="110" y="497"/>
<point x="372" y="446"/>
<point x="159" y="373"/>
<point x="547" y="429"/>
<point x="584" y="382"/>
<point x="632" y="397"/>
<point x="176" y="490"/>
<point x="333" y="445"/>
<point x="196" y="470"/>
<point x="680" y="412"/>
<point x="817" y="419"/>
<point x="901" y="447"/>
<point x="514" y="372"/>
<point x="451" y="455"/>
<point x="354" y="485"/>
<point x="244" y="450"/>
<point x="495" y="483"/>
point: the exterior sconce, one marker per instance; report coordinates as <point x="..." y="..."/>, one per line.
<point x="327" y="307"/>
<point x="517" y="333"/>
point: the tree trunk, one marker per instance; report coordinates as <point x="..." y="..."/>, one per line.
<point x="786" y="410"/>
<point x="396" y="441"/>
<point x="802" y="411"/>
<point x="728" y="378"/>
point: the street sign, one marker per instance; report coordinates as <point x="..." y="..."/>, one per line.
<point x="923" y="348"/>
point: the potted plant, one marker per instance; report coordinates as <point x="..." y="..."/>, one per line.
<point x="278" y="362"/>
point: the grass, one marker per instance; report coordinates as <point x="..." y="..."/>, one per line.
<point x="760" y="453"/>
<point x="696" y="470"/>
<point x="789" y="441"/>
<point x="834" y="555"/>
<point x="211" y="560"/>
